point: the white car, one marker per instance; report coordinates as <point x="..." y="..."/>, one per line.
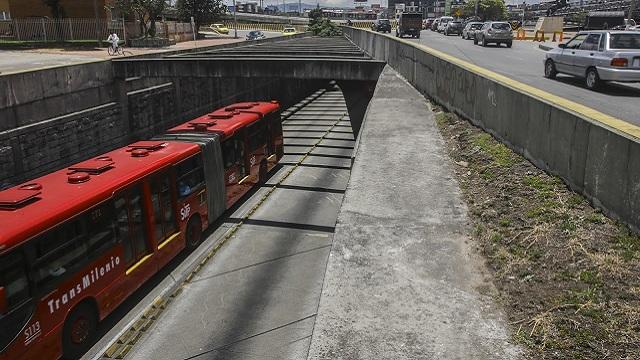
<point x="597" y="56"/>
<point x="442" y="25"/>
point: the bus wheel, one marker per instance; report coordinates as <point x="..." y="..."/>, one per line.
<point x="79" y="331"/>
<point x="194" y="232"/>
<point x="262" y="175"/>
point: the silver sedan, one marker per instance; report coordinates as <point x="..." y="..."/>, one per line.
<point x="469" y="31"/>
<point x="597" y="56"/>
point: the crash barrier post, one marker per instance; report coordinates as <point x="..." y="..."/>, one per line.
<point x="541" y="38"/>
<point x="560" y="36"/>
<point x="521" y="34"/>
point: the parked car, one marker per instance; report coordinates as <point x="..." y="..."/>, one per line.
<point x="497" y="32"/>
<point x="469" y="31"/>
<point x="255" y="35"/>
<point x="288" y="31"/>
<point x="443" y="23"/>
<point x="434" y="24"/>
<point x="597" y="56"/>
<point x="219" y="28"/>
<point x="453" y="27"/>
<point x="426" y="23"/>
<point x="381" y="25"/>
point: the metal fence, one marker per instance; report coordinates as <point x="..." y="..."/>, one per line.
<point x="42" y="29"/>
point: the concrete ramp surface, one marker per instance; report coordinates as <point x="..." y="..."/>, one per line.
<point x="403" y="281"/>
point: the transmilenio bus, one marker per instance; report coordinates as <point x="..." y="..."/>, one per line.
<point x="75" y="243"/>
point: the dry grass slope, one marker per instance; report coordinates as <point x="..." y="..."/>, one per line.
<point x="568" y="276"/>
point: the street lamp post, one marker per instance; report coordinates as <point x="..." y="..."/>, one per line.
<point x="235" y="20"/>
<point x="476" y="10"/>
<point x="524" y="6"/>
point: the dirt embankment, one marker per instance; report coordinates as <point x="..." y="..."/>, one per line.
<point x="568" y="276"/>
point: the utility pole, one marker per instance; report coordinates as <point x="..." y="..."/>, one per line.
<point x="235" y="20"/>
<point x="95" y="11"/>
<point x="477" y="3"/>
<point x="632" y="9"/>
<point x="300" y="8"/>
<point x="524" y="6"/>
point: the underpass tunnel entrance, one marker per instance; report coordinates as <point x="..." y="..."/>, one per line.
<point x="357" y="95"/>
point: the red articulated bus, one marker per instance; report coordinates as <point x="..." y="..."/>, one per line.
<point x="75" y="243"/>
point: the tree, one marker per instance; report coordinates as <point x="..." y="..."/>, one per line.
<point x="487" y="9"/>
<point x="146" y="11"/>
<point x="315" y="15"/>
<point x="202" y="11"/>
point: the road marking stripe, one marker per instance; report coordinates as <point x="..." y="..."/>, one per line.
<point x="579" y="109"/>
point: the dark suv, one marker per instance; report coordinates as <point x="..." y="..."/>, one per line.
<point x="381" y="25"/>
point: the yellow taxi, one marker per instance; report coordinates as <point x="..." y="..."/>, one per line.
<point x="288" y="31"/>
<point x="219" y="28"/>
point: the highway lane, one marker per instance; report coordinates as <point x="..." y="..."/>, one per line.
<point x="524" y="63"/>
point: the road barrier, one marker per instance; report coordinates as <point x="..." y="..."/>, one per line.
<point x="596" y="154"/>
<point x="265" y="27"/>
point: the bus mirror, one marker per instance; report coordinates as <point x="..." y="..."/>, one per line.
<point x="3" y="301"/>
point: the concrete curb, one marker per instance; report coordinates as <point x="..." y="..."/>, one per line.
<point x="545" y="47"/>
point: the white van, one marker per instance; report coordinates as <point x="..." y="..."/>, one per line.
<point x="443" y="23"/>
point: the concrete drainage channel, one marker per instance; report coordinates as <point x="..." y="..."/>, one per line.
<point x="260" y="296"/>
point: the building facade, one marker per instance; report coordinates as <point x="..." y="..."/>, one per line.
<point x="88" y="9"/>
<point x="5" y="14"/>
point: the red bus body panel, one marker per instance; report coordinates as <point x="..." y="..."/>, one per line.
<point x="104" y="280"/>
<point x="37" y="206"/>
<point x="228" y="121"/>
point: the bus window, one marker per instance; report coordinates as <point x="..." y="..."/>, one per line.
<point x="59" y="251"/>
<point x="131" y="225"/>
<point x="122" y="228"/>
<point x="276" y="132"/>
<point x="164" y="217"/>
<point x="190" y="176"/>
<point x="100" y="235"/>
<point x="257" y="135"/>
<point x="14" y="279"/>
<point x="233" y="155"/>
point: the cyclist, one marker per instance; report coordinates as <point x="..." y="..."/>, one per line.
<point x="113" y="39"/>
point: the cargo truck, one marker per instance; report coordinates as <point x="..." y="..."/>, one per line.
<point x="409" y="24"/>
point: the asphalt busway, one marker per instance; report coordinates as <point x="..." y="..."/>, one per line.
<point x="258" y="297"/>
<point x="594" y="153"/>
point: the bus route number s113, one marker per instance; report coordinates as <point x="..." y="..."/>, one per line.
<point x="32" y="332"/>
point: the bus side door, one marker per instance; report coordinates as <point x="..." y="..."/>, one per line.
<point x="235" y="169"/>
<point x="257" y="145"/>
<point x="133" y="232"/>
<point x="165" y="226"/>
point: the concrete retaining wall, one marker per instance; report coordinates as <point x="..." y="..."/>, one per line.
<point x="595" y="154"/>
<point x="54" y="117"/>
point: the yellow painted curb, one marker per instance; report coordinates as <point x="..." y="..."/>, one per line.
<point x="579" y="109"/>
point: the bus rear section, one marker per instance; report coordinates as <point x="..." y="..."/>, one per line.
<point x="77" y="242"/>
<point x="250" y="138"/>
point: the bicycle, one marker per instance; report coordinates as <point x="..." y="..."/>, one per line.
<point x="115" y="51"/>
<point x="119" y="51"/>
